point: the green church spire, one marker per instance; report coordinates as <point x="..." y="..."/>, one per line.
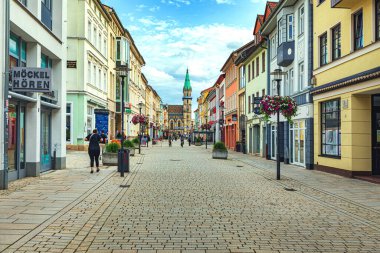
<point x="187" y="85"/>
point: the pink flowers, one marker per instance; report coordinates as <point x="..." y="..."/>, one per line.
<point x="270" y="105"/>
<point x="139" y="118"/>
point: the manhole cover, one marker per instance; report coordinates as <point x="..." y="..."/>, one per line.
<point x="139" y="163"/>
<point x="289" y="189"/>
<point x="173" y="160"/>
<point x="239" y="166"/>
<point x="124" y="185"/>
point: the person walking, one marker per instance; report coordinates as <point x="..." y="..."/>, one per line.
<point x="103" y="142"/>
<point x="94" y="149"/>
<point x="182" y="140"/>
<point x="189" y="140"/>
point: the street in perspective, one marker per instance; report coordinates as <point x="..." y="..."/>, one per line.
<point x="190" y="126"/>
<point x="180" y="200"/>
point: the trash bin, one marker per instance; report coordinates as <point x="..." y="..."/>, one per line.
<point x="123" y="160"/>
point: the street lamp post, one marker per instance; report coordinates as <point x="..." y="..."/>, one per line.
<point x="123" y="73"/>
<point x="222" y="120"/>
<point x="206" y="131"/>
<point x="140" y="108"/>
<point x="277" y="76"/>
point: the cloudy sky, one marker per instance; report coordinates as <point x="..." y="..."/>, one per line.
<point x="175" y="34"/>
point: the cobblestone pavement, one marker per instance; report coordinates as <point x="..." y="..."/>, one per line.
<point x="180" y="200"/>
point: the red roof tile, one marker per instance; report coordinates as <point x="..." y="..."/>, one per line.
<point x="175" y="109"/>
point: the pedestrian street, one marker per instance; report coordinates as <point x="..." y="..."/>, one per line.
<point x="181" y="200"/>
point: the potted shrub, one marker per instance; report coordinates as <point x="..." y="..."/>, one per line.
<point x="110" y="155"/>
<point x="135" y="141"/>
<point x="198" y="141"/>
<point x="219" y="151"/>
<point x="129" y="145"/>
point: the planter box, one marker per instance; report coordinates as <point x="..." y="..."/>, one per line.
<point x="131" y="151"/>
<point x="198" y="144"/>
<point x="109" y="159"/>
<point x="219" y="154"/>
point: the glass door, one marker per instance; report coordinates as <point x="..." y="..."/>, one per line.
<point x="250" y="140"/>
<point x="16" y="141"/>
<point x="274" y="142"/>
<point x="376" y="135"/>
<point x="45" y="140"/>
<point x="297" y="143"/>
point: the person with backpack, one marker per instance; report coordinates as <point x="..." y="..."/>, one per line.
<point x="94" y="149"/>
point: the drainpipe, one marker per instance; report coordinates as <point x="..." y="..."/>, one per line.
<point x="310" y="76"/>
<point x="5" y="94"/>
<point x="268" y="89"/>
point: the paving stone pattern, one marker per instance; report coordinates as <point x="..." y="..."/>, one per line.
<point x="179" y="200"/>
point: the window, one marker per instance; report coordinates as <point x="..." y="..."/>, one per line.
<point x="377" y="16"/>
<point x="253" y="69"/>
<point x="263" y="62"/>
<point x="249" y="72"/>
<point x="358" y="30"/>
<point x="273" y="47"/>
<point x="88" y="72"/>
<point x="323" y="49"/>
<point x="46" y="62"/>
<point x="17" y="51"/>
<point x="105" y="81"/>
<point x="24" y="2"/>
<point x="242" y="77"/>
<point x="98" y="81"/>
<point x="257" y="66"/>
<point x="291" y="81"/>
<point x="330" y="128"/>
<point x="94" y="75"/>
<point x="249" y="104"/>
<point x="46" y="13"/>
<point x="301" y="76"/>
<point x="336" y="43"/>
<point x="290" y="28"/>
<point x="95" y="34"/>
<point x="105" y="47"/>
<point x="100" y="42"/>
<point x="281" y="31"/>
<point x="321" y="1"/>
<point x="263" y="92"/>
<point x="286" y="85"/>
<point x="301" y="20"/>
<point x="89" y="29"/>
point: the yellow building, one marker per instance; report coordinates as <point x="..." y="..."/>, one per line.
<point x="346" y="89"/>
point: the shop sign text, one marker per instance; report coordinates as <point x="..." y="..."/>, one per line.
<point x="31" y="79"/>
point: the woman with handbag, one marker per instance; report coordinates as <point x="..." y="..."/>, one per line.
<point x="94" y="149"/>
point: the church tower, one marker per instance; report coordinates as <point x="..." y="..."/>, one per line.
<point x="187" y="103"/>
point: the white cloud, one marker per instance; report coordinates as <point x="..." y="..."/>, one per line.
<point x="177" y="3"/>
<point x="170" y="50"/>
<point x="225" y="1"/>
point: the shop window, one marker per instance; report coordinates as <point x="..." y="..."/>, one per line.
<point x="90" y="119"/>
<point x="323" y="49"/>
<point x="358" y="30"/>
<point x="68" y="123"/>
<point x="330" y="128"/>
<point x="336" y="43"/>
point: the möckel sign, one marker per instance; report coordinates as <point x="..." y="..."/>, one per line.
<point x="31" y="79"/>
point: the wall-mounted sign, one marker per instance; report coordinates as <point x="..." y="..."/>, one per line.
<point x="31" y="79"/>
<point x="234" y="117"/>
<point x="256" y="110"/>
<point x="101" y="120"/>
<point x="71" y="64"/>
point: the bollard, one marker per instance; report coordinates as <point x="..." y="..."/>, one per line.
<point x="123" y="161"/>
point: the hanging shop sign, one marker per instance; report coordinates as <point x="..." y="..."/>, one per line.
<point x="31" y="79"/>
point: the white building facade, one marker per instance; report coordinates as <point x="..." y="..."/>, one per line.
<point x="36" y="121"/>
<point x="289" y="31"/>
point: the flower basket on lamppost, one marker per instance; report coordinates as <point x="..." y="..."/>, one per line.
<point x="271" y="105"/>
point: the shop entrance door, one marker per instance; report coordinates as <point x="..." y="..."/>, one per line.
<point x="45" y="141"/>
<point x="250" y="140"/>
<point x="376" y="135"/>
<point x="16" y="141"/>
<point x="297" y="143"/>
<point x="273" y="142"/>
